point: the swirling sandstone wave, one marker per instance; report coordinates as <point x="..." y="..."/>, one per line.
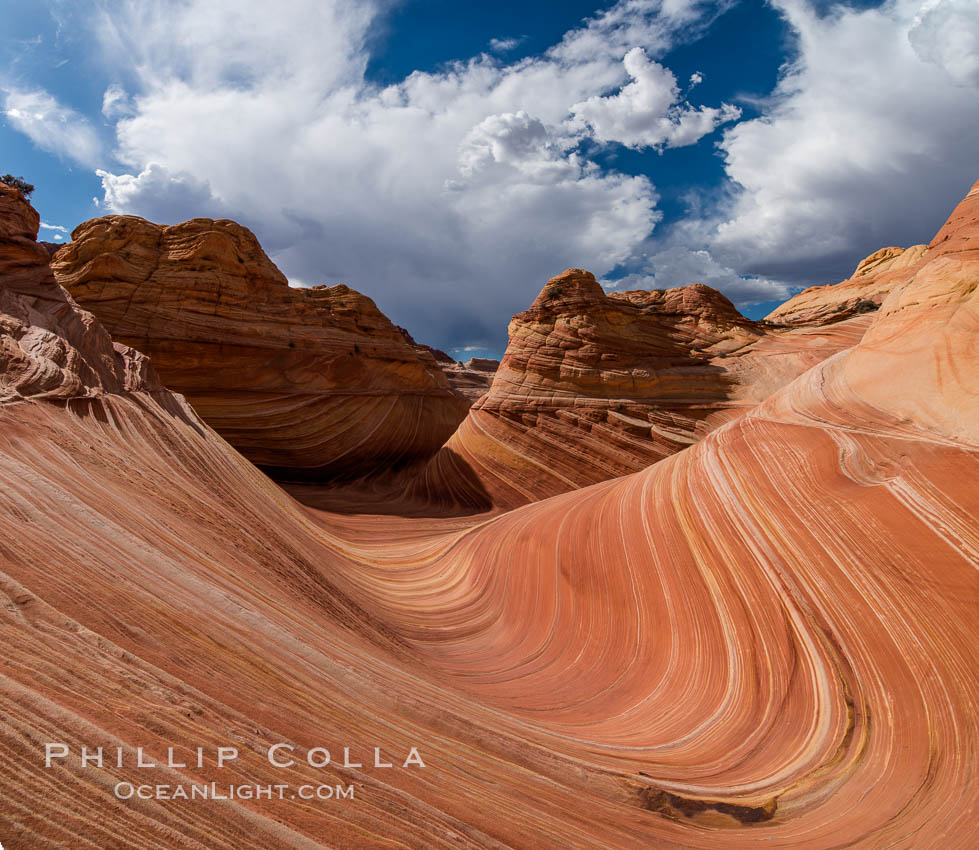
<point x="766" y="639"/>
<point x="306" y="382"/>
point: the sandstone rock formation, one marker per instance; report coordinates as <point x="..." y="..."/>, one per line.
<point x="880" y="273"/>
<point x="305" y="382"/>
<point x="472" y="378"/>
<point x="49" y="348"/>
<point x="874" y="277"/>
<point x="595" y="386"/>
<point x="768" y="639"/>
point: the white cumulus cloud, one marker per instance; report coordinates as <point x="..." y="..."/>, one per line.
<point x="946" y="33"/>
<point x="867" y="141"/>
<point x="647" y="112"/>
<point x="449" y="197"/>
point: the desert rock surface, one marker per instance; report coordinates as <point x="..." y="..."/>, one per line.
<point x="765" y="639"/>
<point x="594" y="386"/>
<point x="309" y="383"/>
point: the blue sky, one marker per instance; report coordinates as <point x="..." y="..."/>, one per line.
<point x="447" y="158"/>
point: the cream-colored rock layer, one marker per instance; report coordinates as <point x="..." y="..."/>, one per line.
<point x="311" y="382"/>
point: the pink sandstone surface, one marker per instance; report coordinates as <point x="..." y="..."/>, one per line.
<point x="766" y="639"/>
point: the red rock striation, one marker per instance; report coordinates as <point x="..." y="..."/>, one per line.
<point x="767" y="639"/>
<point x="595" y="386"/>
<point x="305" y="382"/>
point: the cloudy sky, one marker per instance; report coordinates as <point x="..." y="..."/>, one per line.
<point x="447" y="158"/>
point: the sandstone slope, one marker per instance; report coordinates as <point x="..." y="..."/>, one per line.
<point x="767" y="639"/>
<point x="311" y="383"/>
<point x="594" y="386"/>
<point x="874" y="277"/>
<point x="880" y="273"/>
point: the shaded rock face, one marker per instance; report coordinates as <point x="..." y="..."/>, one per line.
<point x="470" y="379"/>
<point x="595" y="386"/>
<point x="440" y="356"/>
<point x="305" y="382"/>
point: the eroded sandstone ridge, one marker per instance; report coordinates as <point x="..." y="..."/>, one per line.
<point x="49" y="348"/>
<point x="767" y="639"/>
<point x="594" y="386"/>
<point x="874" y="277"/>
<point x="306" y="382"/>
<point x="877" y="275"/>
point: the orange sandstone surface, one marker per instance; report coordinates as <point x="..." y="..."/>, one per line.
<point x="594" y="386"/>
<point x="878" y="274"/>
<point x="309" y="383"/>
<point x="766" y="639"/>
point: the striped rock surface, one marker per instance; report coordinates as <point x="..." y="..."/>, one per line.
<point x="595" y="386"/>
<point x="767" y="639"/>
<point x="877" y="275"/>
<point x="309" y="383"/>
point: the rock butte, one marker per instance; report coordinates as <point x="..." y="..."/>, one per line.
<point x="767" y="639"/>
<point x="594" y="386"/>
<point x="309" y="383"/>
<point x="472" y="378"/>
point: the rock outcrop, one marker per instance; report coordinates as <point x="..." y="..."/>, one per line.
<point x="768" y="639"/>
<point x="49" y="348"/>
<point x="595" y="386"/>
<point x="879" y="274"/>
<point x="308" y="383"/>
<point x="874" y="277"/>
<point x="472" y="378"/>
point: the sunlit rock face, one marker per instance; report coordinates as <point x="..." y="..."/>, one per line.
<point x="880" y="273"/>
<point x="767" y="639"/>
<point x="307" y="382"/>
<point x="49" y="347"/>
<point x="594" y="386"/>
